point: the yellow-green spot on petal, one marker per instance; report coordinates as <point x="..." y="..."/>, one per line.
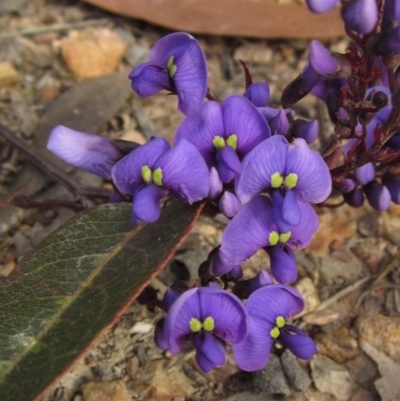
<point x="273" y="238"/>
<point x="232" y="141"/>
<point x="274" y="333"/>
<point x="285" y="237"/>
<point x="195" y="325"/>
<point x="208" y="324"/>
<point x="291" y="180"/>
<point x="172" y="70"/>
<point x="170" y="62"/>
<point x="158" y="176"/>
<point x="146" y="174"/>
<point x="280" y="322"/>
<point x="219" y="142"/>
<point x="276" y="180"/>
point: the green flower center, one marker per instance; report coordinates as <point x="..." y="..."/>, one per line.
<point x="172" y="68"/>
<point x="289" y="181"/>
<point x="148" y="175"/>
<point x="276" y="331"/>
<point x="220" y="143"/>
<point x="196" y="325"/>
<point x="275" y="237"/>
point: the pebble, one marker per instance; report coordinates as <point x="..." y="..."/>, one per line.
<point x="93" y="52"/>
<point x="321" y="317"/>
<point x="295" y="374"/>
<point x="106" y="391"/>
<point x="330" y="377"/>
<point x="337" y="344"/>
<point x="8" y="74"/>
<point x="272" y="379"/>
<point x="254" y="53"/>
<point x="308" y="291"/>
<point x="382" y="332"/>
<point x="141" y="327"/>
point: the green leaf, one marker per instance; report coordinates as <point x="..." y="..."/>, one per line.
<point x="74" y="286"/>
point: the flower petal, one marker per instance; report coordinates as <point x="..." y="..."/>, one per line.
<point x="314" y="180"/>
<point x="248" y="231"/>
<point x="285" y="209"/>
<point x="321" y="6"/>
<point x="302" y="234"/>
<point x="253" y="353"/>
<point x="258" y="166"/>
<point x="283" y="263"/>
<point x="258" y="94"/>
<point x="201" y="128"/>
<point x="228" y="204"/>
<point x="228" y="312"/>
<point x="148" y="79"/>
<point x="215" y="184"/>
<point x="228" y="164"/>
<point x="298" y="342"/>
<point x="146" y="203"/>
<point x="89" y="152"/>
<point x="159" y="335"/>
<point x="185" y="172"/>
<point x="127" y="173"/>
<point x="210" y="352"/>
<point x="241" y="118"/>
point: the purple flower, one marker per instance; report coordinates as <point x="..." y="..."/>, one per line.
<point x="360" y="16"/>
<point x="210" y="317"/>
<point x="243" y="289"/>
<point x="254" y="227"/>
<point x="392" y="183"/>
<point x="321" y="6"/>
<point x="177" y="64"/>
<point x="391" y="13"/>
<point x="355" y="197"/>
<point x="91" y="153"/>
<point x="228" y="204"/>
<point x="365" y="174"/>
<point x="258" y="94"/>
<point x="225" y="133"/>
<point x="152" y="171"/>
<point x="308" y="130"/>
<point x="292" y="170"/>
<point x="269" y="309"/>
<point x="378" y="195"/>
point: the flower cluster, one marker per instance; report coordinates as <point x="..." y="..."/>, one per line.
<point x="253" y="163"/>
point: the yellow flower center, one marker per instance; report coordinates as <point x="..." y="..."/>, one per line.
<point x="289" y="181"/>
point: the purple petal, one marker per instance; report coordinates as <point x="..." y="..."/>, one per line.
<point x="258" y="94"/>
<point x="378" y="196"/>
<point x="321" y="6"/>
<point x="354" y="198"/>
<point x="149" y="79"/>
<point x="228" y="204"/>
<point x="146" y="203"/>
<point x="285" y="209"/>
<point x="228" y="312"/>
<point x="229" y="164"/>
<point x="159" y="335"/>
<point x="258" y="166"/>
<point x="201" y="128"/>
<point x="391" y="13"/>
<point x="272" y="301"/>
<point x="360" y="16"/>
<point x="307" y="130"/>
<point x="279" y="124"/>
<point x="283" y="263"/>
<point x="243" y="289"/>
<point x="215" y="184"/>
<point x="172" y="294"/>
<point x="185" y="172"/>
<point x="309" y="79"/>
<point x="302" y="234"/>
<point x="210" y="352"/>
<point x="314" y="180"/>
<point x="321" y="60"/>
<point x="253" y="353"/>
<point x="365" y="174"/>
<point x="127" y="173"/>
<point x="392" y="183"/>
<point x="243" y="119"/>
<point x="87" y="151"/>
<point x="298" y="342"/>
<point x="248" y="231"/>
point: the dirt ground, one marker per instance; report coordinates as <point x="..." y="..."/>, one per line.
<point x="350" y="275"/>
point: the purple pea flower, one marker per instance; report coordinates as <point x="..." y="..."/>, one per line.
<point x="321" y="6"/>
<point x="392" y="183"/>
<point x="360" y="16"/>
<point x="292" y="171"/>
<point x="177" y="64"/>
<point x="254" y="227"/>
<point x="391" y="13"/>
<point x="308" y="130"/>
<point x="269" y="308"/>
<point x="225" y="133"/>
<point x="378" y="195"/>
<point x="153" y="171"/>
<point x="258" y="94"/>
<point x="210" y="317"/>
<point x="91" y="153"/>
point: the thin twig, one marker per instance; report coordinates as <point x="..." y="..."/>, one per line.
<point x="36" y="30"/>
<point x="51" y="169"/>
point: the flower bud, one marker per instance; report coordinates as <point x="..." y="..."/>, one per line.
<point x="321" y="6"/>
<point x="354" y="198"/>
<point x="360" y="16"/>
<point x="308" y="130"/>
<point x="378" y="195"/>
<point x="243" y="289"/>
<point x="228" y="204"/>
<point x="392" y="183"/>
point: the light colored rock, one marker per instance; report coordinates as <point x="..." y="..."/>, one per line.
<point x="382" y="332"/>
<point x="308" y="291"/>
<point x="141" y="327"/>
<point x="8" y="74"/>
<point x="106" y="391"/>
<point x="330" y="377"/>
<point x="254" y="54"/>
<point x="321" y="317"/>
<point x="93" y="52"/>
<point x="337" y="344"/>
<point x="134" y="136"/>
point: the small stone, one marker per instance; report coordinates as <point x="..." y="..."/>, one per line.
<point x="141" y="327"/>
<point x="93" y="52"/>
<point x="8" y="74"/>
<point x="254" y="53"/>
<point x="382" y="332"/>
<point x="272" y="379"/>
<point x="321" y="317"/>
<point x="106" y="391"/>
<point x="308" y="291"/>
<point x="337" y="344"/>
<point x="134" y="136"/>
<point x="330" y="377"/>
<point x="296" y="375"/>
<point x="136" y="54"/>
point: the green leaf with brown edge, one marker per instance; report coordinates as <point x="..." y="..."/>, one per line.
<point x="78" y="281"/>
